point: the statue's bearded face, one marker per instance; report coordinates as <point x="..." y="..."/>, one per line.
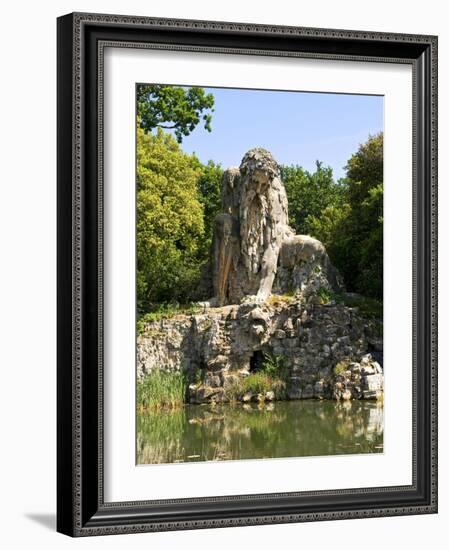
<point x="258" y="170"/>
<point x="261" y="179"/>
<point x="258" y="182"/>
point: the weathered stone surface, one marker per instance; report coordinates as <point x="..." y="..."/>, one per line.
<point x="319" y="388"/>
<point x="373" y="383"/>
<point x="307" y="392"/>
<point x="255" y="251"/>
<point x="360" y="380"/>
<point x="217" y="363"/>
<point x="294" y="393"/>
<point x="205" y="394"/>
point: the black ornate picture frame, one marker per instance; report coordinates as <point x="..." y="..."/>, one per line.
<point x="81" y="509"/>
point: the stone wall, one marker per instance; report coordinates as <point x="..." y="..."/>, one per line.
<point x="330" y="351"/>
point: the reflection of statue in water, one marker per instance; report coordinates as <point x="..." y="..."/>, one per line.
<point x="253" y="241"/>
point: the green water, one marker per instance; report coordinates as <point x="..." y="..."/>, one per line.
<point x="231" y="432"/>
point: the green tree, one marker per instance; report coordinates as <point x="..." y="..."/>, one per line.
<point x="170" y="223"/>
<point x="364" y="175"/>
<point x="173" y="108"/>
<point x="309" y="194"/>
<point x="365" y="169"/>
<point x="369" y="279"/>
<point x="209" y="187"/>
<point x="353" y="231"/>
<point x="329" y="229"/>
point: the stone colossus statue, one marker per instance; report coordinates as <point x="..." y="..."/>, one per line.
<point x="255" y="251"/>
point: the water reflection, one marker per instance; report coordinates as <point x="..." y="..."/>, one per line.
<point x="282" y="429"/>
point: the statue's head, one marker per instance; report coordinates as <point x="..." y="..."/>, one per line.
<point x="259" y="168"/>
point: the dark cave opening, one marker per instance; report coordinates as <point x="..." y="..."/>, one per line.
<point x="256" y="361"/>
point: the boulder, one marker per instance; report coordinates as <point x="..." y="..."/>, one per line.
<point x="373" y="382"/>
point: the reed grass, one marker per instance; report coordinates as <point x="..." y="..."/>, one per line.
<point x="161" y="389"/>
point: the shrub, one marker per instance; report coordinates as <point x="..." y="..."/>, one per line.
<point x="258" y="382"/>
<point x="368" y="307"/>
<point x="275" y="366"/>
<point x="341" y="367"/>
<point x="324" y="295"/>
<point x="272" y="376"/>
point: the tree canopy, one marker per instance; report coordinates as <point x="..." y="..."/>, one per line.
<point x="353" y="231"/>
<point x="170" y="220"/>
<point x="173" y="108"/>
<point x="209" y="188"/>
<point x="309" y="193"/>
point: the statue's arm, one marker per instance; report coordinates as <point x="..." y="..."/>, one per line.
<point x="267" y="271"/>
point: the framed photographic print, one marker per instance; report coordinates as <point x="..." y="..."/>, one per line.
<point x="246" y="274"/>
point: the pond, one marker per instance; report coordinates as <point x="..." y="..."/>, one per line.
<point x="242" y="431"/>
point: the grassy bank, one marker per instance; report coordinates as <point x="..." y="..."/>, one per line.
<point x="160" y="389"/>
<point x="272" y="376"/>
<point x="257" y="383"/>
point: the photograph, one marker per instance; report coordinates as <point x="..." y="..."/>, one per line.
<point x="259" y="273"/>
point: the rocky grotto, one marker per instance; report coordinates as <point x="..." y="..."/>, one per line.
<point x="274" y="297"/>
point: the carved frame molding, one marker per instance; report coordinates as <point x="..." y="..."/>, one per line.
<point x="81" y="41"/>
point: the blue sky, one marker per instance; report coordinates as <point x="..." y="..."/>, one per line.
<point x="297" y="127"/>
